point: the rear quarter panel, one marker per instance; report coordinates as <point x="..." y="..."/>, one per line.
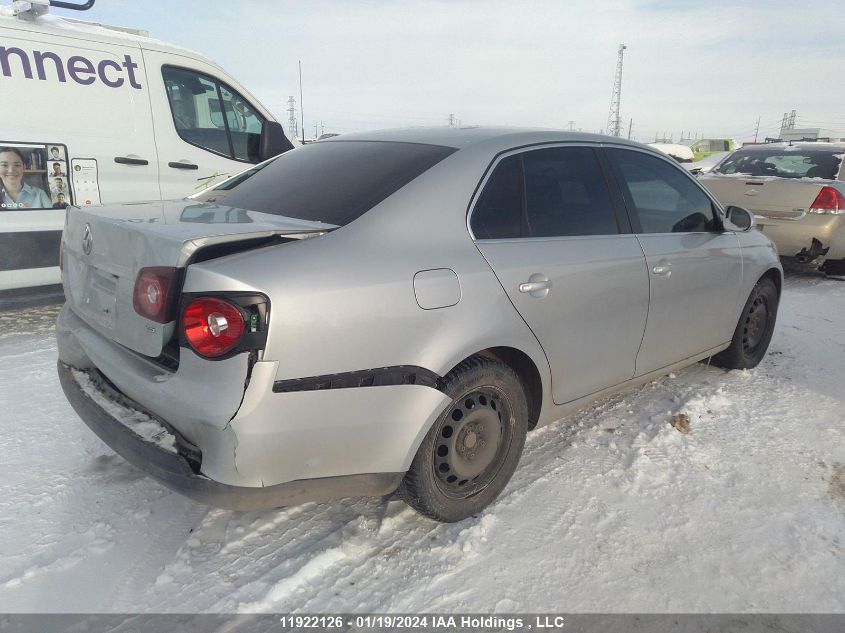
<point x="345" y="301"/>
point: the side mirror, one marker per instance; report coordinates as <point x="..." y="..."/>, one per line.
<point x="273" y="141"/>
<point x="739" y="219"/>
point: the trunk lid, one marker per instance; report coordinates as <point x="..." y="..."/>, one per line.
<point x="105" y="247"/>
<point x="770" y="198"/>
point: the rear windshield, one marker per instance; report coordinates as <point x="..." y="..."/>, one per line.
<point x="332" y="182"/>
<point x="783" y="163"/>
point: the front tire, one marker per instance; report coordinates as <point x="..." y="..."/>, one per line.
<point x="471" y="451"/>
<point x="754" y="330"/>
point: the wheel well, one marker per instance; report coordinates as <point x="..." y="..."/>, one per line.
<point x="527" y="371"/>
<point x="775" y="276"/>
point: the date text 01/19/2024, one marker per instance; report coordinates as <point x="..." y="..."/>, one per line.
<point x="446" y="622"/>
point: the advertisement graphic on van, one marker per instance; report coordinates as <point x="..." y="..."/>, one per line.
<point x="78" y="68"/>
<point x="97" y="114"/>
<point x="33" y="177"/>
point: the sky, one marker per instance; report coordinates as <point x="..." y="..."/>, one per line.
<point x="699" y="68"/>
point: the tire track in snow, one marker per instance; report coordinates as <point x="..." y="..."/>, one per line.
<point x="164" y="544"/>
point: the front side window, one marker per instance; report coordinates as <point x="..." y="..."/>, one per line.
<point x="549" y="192"/>
<point x="666" y="200"/>
<point x="783" y="163"/>
<point x="209" y="114"/>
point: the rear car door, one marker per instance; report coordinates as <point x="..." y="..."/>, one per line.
<point x="546" y="224"/>
<point x="694" y="267"/>
<point x="206" y="130"/>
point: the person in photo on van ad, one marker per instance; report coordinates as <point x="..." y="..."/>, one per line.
<point x="60" y="201"/>
<point x="58" y="186"/>
<point x="56" y="153"/>
<point x="57" y="170"/>
<point x="15" y="193"/>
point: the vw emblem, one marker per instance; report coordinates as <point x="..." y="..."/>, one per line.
<point x="87" y="240"/>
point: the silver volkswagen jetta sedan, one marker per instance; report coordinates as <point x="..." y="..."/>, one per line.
<point x="394" y="311"/>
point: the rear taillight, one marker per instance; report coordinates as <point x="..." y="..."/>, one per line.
<point x="830" y="201"/>
<point x="62" y="254"/>
<point x="213" y="326"/>
<point x="152" y="295"/>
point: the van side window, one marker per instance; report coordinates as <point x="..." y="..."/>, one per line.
<point x="244" y="125"/>
<point x="209" y="114"/>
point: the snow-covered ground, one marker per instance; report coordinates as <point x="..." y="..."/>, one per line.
<point x="611" y="510"/>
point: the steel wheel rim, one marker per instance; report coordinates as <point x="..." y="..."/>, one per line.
<point x="472" y="441"/>
<point x="756" y="324"/>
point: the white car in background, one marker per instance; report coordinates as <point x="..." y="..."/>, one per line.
<point x="681" y="153"/>
<point x="706" y="164"/>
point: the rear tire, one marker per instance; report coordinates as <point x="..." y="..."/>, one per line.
<point x="472" y="449"/>
<point x="834" y="267"/>
<point x="754" y="330"/>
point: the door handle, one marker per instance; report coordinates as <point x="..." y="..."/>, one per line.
<point x="124" y="160"/>
<point x="534" y="286"/>
<point x="664" y="269"/>
<point x="177" y="165"/>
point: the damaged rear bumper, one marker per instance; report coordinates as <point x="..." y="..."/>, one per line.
<point x="175" y="463"/>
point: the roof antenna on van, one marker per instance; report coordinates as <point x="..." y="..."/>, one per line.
<point x="29" y="9"/>
<point x="59" y="4"/>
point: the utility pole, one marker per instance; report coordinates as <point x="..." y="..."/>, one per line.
<point x="788" y="122"/>
<point x="630" y="127"/>
<point x="301" y="107"/>
<point x="614" y="125"/>
<point x="571" y="126"/>
<point x="757" y="129"/>
<point x="292" y="116"/>
<point x="316" y="134"/>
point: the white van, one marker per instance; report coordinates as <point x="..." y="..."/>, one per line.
<point x="95" y="114"/>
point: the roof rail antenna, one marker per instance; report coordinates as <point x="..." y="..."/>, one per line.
<point x="59" y="4"/>
<point x="31" y="9"/>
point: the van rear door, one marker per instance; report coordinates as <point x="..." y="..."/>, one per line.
<point x="207" y="127"/>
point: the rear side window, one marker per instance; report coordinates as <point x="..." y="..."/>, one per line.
<point x="550" y="192"/>
<point x="783" y="163"/>
<point x="565" y="193"/>
<point x="211" y="115"/>
<point x="333" y="182"/>
<point x="498" y="212"/>
<point x="665" y="198"/>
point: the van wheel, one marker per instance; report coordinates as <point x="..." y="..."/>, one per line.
<point x="471" y="451"/>
<point x="754" y="330"/>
